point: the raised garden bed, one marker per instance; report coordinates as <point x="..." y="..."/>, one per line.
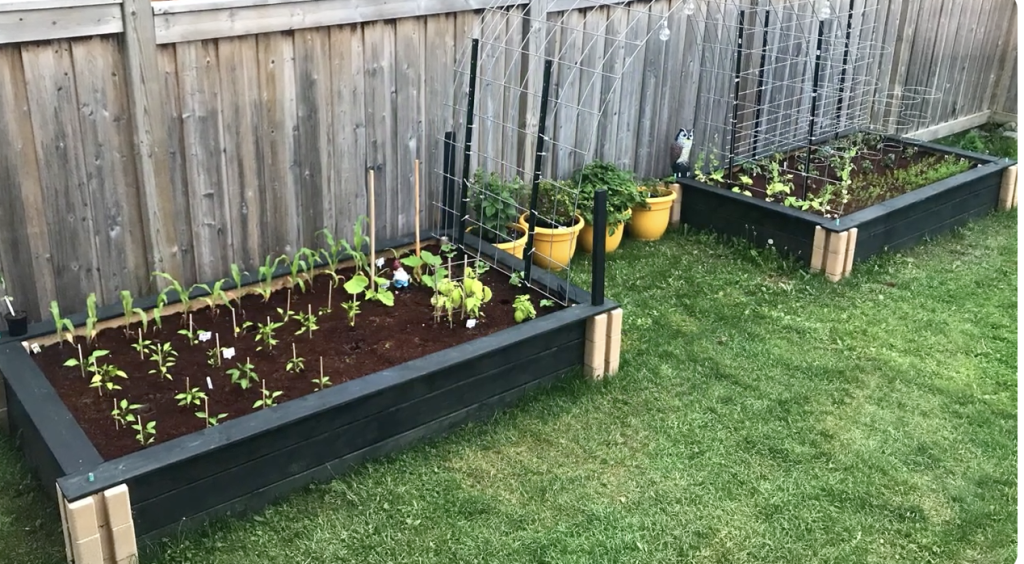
<point x="399" y="376"/>
<point x="898" y="195"/>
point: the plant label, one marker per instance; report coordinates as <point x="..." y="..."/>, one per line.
<point x="470" y="323"/>
<point x="205" y="336"/>
<point x="209" y="383"/>
<point x="380" y="262"/>
<point x="36" y="349"/>
<point x="228" y="353"/>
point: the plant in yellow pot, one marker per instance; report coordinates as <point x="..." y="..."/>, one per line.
<point x="650" y="219"/>
<point x="623" y="196"/>
<point x="494" y="204"/>
<point x="558" y="225"/>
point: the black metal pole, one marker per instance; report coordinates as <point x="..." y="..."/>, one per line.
<point x="760" y="83"/>
<point x="538" y="161"/>
<point x="840" y="103"/>
<point x="598" y="256"/>
<point x="814" y="103"/>
<point x="447" y="186"/>
<point x="460" y="234"/>
<point x="736" y="93"/>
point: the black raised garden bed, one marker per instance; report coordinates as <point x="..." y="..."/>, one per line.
<point x="248" y="461"/>
<point x="896" y="223"/>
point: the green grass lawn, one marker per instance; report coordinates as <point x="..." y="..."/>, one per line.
<point x="761" y="416"/>
<point x="988" y="139"/>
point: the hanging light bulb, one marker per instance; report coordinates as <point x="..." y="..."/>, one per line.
<point x="823" y="9"/>
<point x="664" y="33"/>
<point x="690" y="7"/>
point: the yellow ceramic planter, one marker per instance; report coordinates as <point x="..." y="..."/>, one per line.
<point x="650" y="224"/>
<point x="553" y="247"/>
<point x="611" y="242"/>
<point x="514" y="248"/>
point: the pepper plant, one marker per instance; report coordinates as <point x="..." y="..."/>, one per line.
<point x="165" y="357"/>
<point x="243" y="375"/>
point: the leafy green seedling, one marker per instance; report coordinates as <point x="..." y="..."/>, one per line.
<point x="183" y="294"/>
<point x="354" y="287"/>
<point x="165" y="357"/>
<point x="296" y="363"/>
<point x="266" y="276"/>
<point x="213" y="295"/>
<point x="90" y="320"/>
<point x="190" y="396"/>
<point x="65" y="330"/>
<point x="123" y="413"/>
<point x="323" y="381"/>
<point x="307" y="322"/>
<point x="145" y="432"/>
<point x="205" y="415"/>
<point x="142" y="345"/>
<point x="267" y="398"/>
<point x="523" y="308"/>
<point x="265" y="333"/>
<point x="243" y="375"/>
<point x="547" y="303"/>
<point x="476" y="294"/>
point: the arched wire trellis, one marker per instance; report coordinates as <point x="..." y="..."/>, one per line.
<point x="530" y="106"/>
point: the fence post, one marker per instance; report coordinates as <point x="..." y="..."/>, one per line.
<point x="149" y="126"/>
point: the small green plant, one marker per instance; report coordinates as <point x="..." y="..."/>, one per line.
<point x="123" y="413"/>
<point x="475" y="294"/>
<point x="547" y="303"/>
<point x="90" y="320"/>
<point x="355" y="250"/>
<point x="183" y="293"/>
<point x="523" y="308"/>
<point x="516" y="279"/>
<point x="623" y="193"/>
<point x="332" y="254"/>
<point x="165" y="357"/>
<point x="266" y="276"/>
<point x="265" y="333"/>
<point x="213" y="357"/>
<point x="418" y="264"/>
<point x="307" y="322"/>
<point x="145" y="432"/>
<point x="356" y="285"/>
<point x="210" y="419"/>
<point x="65" y="330"/>
<point x="296" y="363"/>
<point x="323" y="381"/>
<point x="243" y="374"/>
<point x="158" y="310"/>
<point x="214" y="295"/>
<point x="190" y="396"/>
<point x="142" y="345"/>
<point x="89" y="363"/>
<point x="267" y="398"/>
<point x="126" y="305"/>
<point x="236" y="277"/>
<point x="190" y="333"/>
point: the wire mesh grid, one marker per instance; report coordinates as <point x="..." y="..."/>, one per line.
<point x="530" y="90"/>
<point x="793" y="80"/>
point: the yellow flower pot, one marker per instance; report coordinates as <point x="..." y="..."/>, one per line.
<point x="650" y="224"/>
<point x="553" y="247"/>
<point x="611" y="242"/>
<point x="514" y="248"/>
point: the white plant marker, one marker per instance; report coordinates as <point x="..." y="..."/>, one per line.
<point x="205" y="336"/>
<point x="228" y="353"/>
<point x="9" y="306"/>
<point x="209" y="383"/>
<point x="470" y="323"/>
<point x="36" y="349"/>
<point x="373" y="233"/>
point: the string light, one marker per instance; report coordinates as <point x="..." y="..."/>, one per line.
<point x="664" y="33"/>
<point x="690" y="7"/>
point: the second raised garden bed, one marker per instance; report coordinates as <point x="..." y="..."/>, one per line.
<point x="399" y="375"/>
<point x="890" y="212"/>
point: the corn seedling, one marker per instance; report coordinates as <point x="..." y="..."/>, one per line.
<point x="145" y="432"/>
<point x="267" y="399"/>
<point x="205" y="415"/>
<point x="183" y="294"/>
<point x="355" y="250"/>
<point x="332" y="254"/>
<point x="323" y="381"/>
<point x="307" y="322"/>
<point x="355" y="286"/>
<point x="190" y="396"/>
<point x="90" y="320"/>
<point x="126" y="306"/>
<point x="236" y="277"/>
<point x="214" y="295"/>
<point x="65" y="330"/>
<point x="523" y="308"/>
<point x="243" y="375"/>
<point x="266" y="276"/>
<point x="265" y="333"/>
<point x="158" y="311"/>
<point x="301" y="267"/>
<point x="123" y="413"/>
<point x="142" y="345"/>
<point x="296" y="363"/>
<point x="165" y="357"/>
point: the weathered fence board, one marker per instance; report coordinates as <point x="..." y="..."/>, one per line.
<point x="268" y="136"/>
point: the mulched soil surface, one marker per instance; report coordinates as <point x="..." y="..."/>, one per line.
<point x="381" y="338"/>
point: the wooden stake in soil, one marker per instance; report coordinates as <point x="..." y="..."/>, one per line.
<point x="373" y="234"/>
<point x="310" y="318"/>
<point x="288" y="305"/>
<point x="234" y="323"/>
<point x="330" y="291"/>
<point x="294" y="355"/>
<point x="416" y="202"/>
<point x="216" y="338"/>
<point x="81" y="361"/>
<point x="206" y="410"/>
<point x="142" y="351"/>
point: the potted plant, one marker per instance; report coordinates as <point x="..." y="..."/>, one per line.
<point x="623" y="196"/>
<point x="558" y="224"/>
<point x="17" y="320"/>
<point x="651" y="218"/>
<point x="495" y="206"/>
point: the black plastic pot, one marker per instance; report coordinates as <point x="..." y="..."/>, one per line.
<point x="17" y="324"/>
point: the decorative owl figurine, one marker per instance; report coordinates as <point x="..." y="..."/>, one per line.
<point x="680" y="151"/>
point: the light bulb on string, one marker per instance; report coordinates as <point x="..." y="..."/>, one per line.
<point x="664" y="33"/>
<point x="823" y="9"/>
<point x="690" y="7"/>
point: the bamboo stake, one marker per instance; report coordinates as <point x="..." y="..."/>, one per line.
<point x="373" y="234"/>
<point x="216" y="338"/>
<point x="206" y="410"/>
<point x="416" y="199"/>
<point x="294" y="355"/>
<point x="288" y="305"/>
<point x="142" y="350"/>
<point x="234" y="323"/>
<point x="330" y="290"/>
<point x="310" y="318"/>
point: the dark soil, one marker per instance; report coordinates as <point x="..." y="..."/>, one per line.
<point x="381" y="338"/>
<point x="875" y="175"/>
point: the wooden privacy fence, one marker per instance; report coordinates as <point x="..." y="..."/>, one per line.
<point x="183" y="136"/>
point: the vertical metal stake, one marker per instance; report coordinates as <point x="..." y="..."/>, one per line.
<point x="447" y="184"/>
<point x="460" y="233"/>
<point x="736" y="93"/>
<point x="598" y="256"/>
<point x="538" y="161"/>
<point x="760" y="82"/>
<point x="840" y="102"/>
<point x="814" y="104"/>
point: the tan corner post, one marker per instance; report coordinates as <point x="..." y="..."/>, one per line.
<point x="604" y="342"/>
<point x="833" y="252"/>
<point x="99" y="529"/>
<point x="1008" y="189"/>
<point x="677" y="205"/>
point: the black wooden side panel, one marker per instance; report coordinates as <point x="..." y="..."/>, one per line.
<point x="176" y="476"/>
<point x="906" y="226"/>
<point x="725" y="213"/>
<point x="317" y="450"/>
<point x="38" y="456"/>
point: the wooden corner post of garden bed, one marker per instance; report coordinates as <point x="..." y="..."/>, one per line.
<point x="1008" y="189"/>
<point x="604" y="341"/>
<point x="99" y="529"/>
<point x="677" y="204"/>
<point x="833" y="252"/>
